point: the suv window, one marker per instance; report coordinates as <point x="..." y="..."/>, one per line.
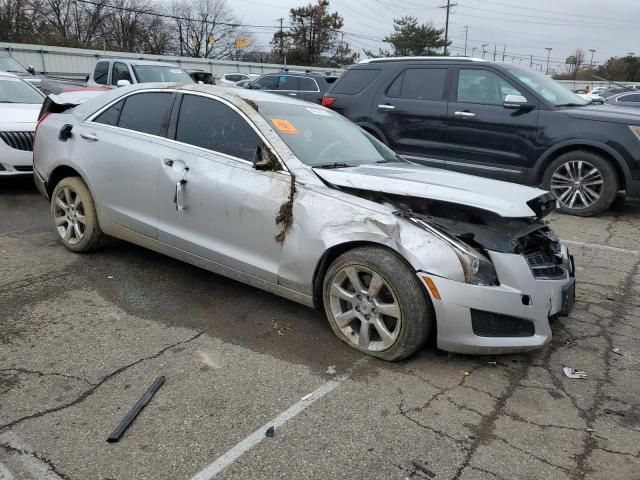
<point x="287" y="82"/>
<point x="146" y="112"/>
<point x="354" y="81"/>
<point x="633" y="97"/>
<point x="120" y="72"/>
<point x="101" y="72"/>
<point x="266" y="83"/>
<point x="307" y="85"/>
<point x="419" y="83"/>
<point x="211" y="124"/>
<point x="483" y="86"/>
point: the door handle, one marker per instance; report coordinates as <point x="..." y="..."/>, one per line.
<point x="89" y="137"/>
<point x="386" y="106"/>
<point x="293" y="94"/>
<point x="464" y="114"/>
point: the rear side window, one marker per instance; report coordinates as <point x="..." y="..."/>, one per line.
<point x="419" y="84"/>
<point x="307" y="85"/>
<point x="146" y="112"/>
<point x="211" y="124"/>
<point x="287" y="82"/>
<point x="111" y="115"/>
<point x="101" y="72"/>
<point x="634" y="97"/>
<point x="354" y="81"/>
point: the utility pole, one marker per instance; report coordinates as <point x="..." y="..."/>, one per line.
<point x="548" y="49"/>
<point x="495" y="51"/>
<point x="281" y="41"/>
<point x="473" y="51"/>
<point x="592" y="50"/>
<point x="466" y="35"/>
<point x="504" y="51"/>
<point x="484" y="50"/>
<point x="448" y="6"/>
<point x="531" y="60"/>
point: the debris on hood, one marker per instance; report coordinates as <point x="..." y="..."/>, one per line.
<point x="572" y="373"/>
<point x="285" y="215"/>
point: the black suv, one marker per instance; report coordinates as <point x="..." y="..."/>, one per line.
<point x="307" y="85"/>
<point x="498" y="120"/>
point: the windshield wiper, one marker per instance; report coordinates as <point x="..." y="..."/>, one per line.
<point x="332" y="165"/>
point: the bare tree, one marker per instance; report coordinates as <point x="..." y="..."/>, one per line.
<point x="123" y="27"/>
<point x="74" y="23"/>
<point x="206" y="28"/>
<point x="159" y="38"/>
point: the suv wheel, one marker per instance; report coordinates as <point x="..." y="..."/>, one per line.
<point x="584" y="183"/>
<point x="74" y="215"/>
<point x="376" y="304"/>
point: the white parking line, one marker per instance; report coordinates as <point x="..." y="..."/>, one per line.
<point x="33" y="465"/>
<point x="5" y="474"/>
<point x="603" y="247"/>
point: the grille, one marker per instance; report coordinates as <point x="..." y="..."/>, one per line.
<point x="24" y="169"/>
<point x="18" y="140"/>
<point x="544" y="265"/>
<point x="487" y="324"/>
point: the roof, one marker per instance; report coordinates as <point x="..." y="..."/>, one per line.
<point x="425" y="58"/>
<point x="134" y="61"/>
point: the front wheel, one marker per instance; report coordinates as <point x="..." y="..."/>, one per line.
<point x="584" y="183"/>
<point x="375" y="303"/>
<point x="74" y="215"/>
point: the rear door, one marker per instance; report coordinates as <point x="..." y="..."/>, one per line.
<point x="211" y="201"/>
<point x="121" y="148"/>
<point x="288" y="85"/>
<point x="309" y="90"/>
<point x="484" y="137"/>
<point x="412" y="112"/>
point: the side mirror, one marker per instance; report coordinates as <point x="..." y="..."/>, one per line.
<point x="31" y="70"/>
<point x="516" y="102"/>
<point x="123" y="83"/>
<point x="263" y="159"/>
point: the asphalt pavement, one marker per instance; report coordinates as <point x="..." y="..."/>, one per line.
<point x="83" y="336"/>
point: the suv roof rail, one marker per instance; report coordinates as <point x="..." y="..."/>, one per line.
<point x="397" y="59"/>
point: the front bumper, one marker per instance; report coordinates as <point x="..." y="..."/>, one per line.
<point x="520" y="298"/>
<point x="14" y="161"/>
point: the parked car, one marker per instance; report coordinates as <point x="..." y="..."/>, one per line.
<point x="592" y="98"/>
<point x="243" y="83"/>
<point x="597" y="90"/>
<point x="119" y="72"/>
<point x="313" y="209"/>
<point x="625" y="99"/>
<point x="497" y="120"/>
<point x="20" y="103"/>
<point x="200" y="76"/>
<point x="11" y="65"/>
<point x="307" y="86"/>
<point x="230" y="79"/>
<point x="614" y="90"/>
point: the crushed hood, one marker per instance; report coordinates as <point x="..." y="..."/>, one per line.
<point x="502" y="198"/>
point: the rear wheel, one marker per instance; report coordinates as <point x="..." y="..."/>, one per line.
<point x="584" y="183"/>
<point x="375" y="303"/>
<point x="74" y="215"/>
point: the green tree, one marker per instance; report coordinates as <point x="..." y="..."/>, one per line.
<point x="413" y="39"/>
<point x="622" y="69"/>
<point x="313" y="38"/>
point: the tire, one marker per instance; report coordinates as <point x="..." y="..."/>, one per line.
<point x="408" y="314"/>
<point x="587" y="173"/>
<point x="77" y="224"/>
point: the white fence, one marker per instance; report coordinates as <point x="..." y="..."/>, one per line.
<point x="79" y="62"/>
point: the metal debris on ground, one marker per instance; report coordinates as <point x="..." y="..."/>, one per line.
<point x="424" y="469"/>
<point x="466" y="373"/>
<point x="270" y="432"/>
<point x="331" y="370"/>
<point x="131" y="416"/>
<point x="617" y="351"/>
<point x="573" y="373"/>
<point x="494" y="363"/>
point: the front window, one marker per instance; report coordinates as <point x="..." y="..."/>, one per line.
<point x="14" y="90"/>
<point x="8" y="64"/>
<point x="319" y="137"/>
<point x="548" y="88"/>
<point x="160" y="73"/>
<point x="484" y="87"/>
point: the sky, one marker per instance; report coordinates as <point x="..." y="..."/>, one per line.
<point x="517" y="27"/>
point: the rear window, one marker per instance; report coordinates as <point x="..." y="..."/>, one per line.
<point x="101" y="72"/>
<point x="354" y="81"/>
<point x="419" y="84"/>
<point x="307" y="85"/>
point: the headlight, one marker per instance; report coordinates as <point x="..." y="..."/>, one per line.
<point x="478" y="269"/>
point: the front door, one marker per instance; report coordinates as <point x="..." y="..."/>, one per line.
<point x="211" y="201"/>
<point x="484" y="137"/>
<point x="412" y="113"/>
<point x="120" y="148"/>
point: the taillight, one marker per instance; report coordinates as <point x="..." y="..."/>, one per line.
<point x="328" y="101"/>
<point x="42" y="119"/>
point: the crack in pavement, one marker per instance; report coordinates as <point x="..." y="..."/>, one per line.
<point x="49" y="464"/>
<point x="87" y="393"/>
<point x="46" y="374"/>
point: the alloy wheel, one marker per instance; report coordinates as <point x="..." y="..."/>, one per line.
<point x="68" y="215"/>
<point x="365" y="308"/>
<point x="577" y="184"/>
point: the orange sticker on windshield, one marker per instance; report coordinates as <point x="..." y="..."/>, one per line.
<point x="285" y="126"/>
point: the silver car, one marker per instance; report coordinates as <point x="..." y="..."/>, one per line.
<point x="292" y="198"/>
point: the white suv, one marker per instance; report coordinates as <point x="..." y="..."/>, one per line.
<point x="118" y="72"/>
<point x="20" y="104"/>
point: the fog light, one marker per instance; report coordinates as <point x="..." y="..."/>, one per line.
<point x="432" y="288"/>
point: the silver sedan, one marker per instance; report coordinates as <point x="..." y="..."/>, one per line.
<point x="292" y="198"/>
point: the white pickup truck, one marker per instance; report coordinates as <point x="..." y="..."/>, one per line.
<point x="118" y="72"/>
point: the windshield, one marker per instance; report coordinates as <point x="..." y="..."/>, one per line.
<point x="14" y="90"/>
<point x="548" y="88"/>
<point x="322" y="138"/>
<point x="8" y="64"/>
<point x="159" y="73"/>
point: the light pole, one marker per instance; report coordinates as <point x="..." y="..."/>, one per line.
<point x="484" y="49"/>
<point x="473" y="51"/>
<point x="548" y="49"/>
